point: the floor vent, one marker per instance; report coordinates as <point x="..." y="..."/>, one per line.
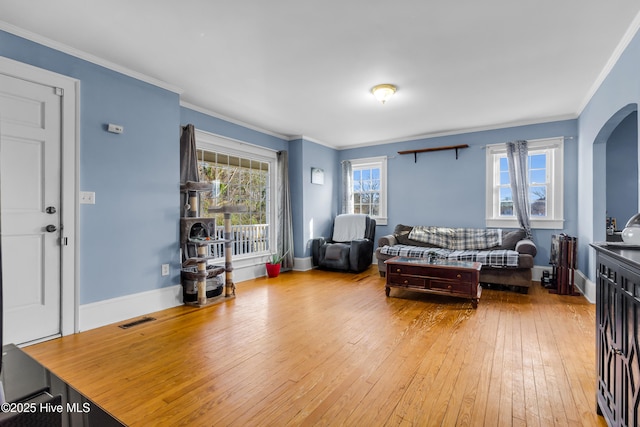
<point x="137" y="322"/>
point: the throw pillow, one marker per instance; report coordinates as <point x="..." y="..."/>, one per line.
<point x="511" y="238"/>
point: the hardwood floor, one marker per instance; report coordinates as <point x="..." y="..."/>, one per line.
<point x="327" y="348"/>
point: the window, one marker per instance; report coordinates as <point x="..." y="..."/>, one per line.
<point x="545" y="174"/>
<point x="239" y="173"/>
<point x="370" y="188"/>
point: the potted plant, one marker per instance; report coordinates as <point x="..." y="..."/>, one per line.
<point x="273" y="265"/>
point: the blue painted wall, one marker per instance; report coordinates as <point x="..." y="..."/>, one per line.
<point x="622" y="171"/>
<point x="132" y="228"/>
<point x="320" y="203"/>
<point x="297" y="186"/>
<point x="314" y="205"/>
<point x="615" y="99"/>
<point x="440" y="190"/>
<point x="221" y="127"/>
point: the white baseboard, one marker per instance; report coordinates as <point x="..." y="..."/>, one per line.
<point x="586" y="286"/>
<point x="115" y="310"/>
<point x="582" y="282"/>
<point x="101" y="313"/>
<point x="302" y="264"/>
<point x="536" y="272"/>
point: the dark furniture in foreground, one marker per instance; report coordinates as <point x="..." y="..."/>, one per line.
<point x="618" y="334"/>
<point x="37" y="397"/>
<point x="452" y="278"/>
<point x="350" y="247"/>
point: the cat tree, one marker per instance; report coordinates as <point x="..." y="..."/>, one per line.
<point x="195" y="239"/>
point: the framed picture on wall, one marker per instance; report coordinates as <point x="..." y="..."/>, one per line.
<point x="317" y="176"/>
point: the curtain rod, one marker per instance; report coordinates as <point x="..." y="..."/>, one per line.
<point x="367" y="158"/>
<point x="530" y="140"/>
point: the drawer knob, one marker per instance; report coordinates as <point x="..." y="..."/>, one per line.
<point x="406" y="282"/>
<point x="449" y="287"/>
<point x="459" y="276"/>
<point x="398" y="270"/>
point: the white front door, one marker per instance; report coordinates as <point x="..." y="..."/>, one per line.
<point x="30" y="191"/>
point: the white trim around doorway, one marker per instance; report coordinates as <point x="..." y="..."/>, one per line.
<point x="69" y="209"/>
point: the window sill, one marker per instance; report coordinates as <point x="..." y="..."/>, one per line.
<point x="543" y="224"/>
<point x="380" y="220"/>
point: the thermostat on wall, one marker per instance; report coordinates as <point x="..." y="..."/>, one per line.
<point x="115" y="128"/>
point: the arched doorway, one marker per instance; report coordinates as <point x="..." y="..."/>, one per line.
<point x="600" y="170"/>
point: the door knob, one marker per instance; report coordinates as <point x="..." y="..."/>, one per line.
<point x="51" y="228"/>
<point x="51" y="210"/>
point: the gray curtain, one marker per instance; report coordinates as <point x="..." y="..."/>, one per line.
<point x="188" y="166"/>
<point x="347" y="187"/>
<point x="285" y="222"/>
<point x="518" y="156"/>
<point x="188" y="159"/>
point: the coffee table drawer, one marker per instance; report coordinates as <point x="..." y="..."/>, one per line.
<point x="406" y="269"/>
<point x="443" y="273"/>
<point x="401" y="280"/>
<point x="450" y="285"/>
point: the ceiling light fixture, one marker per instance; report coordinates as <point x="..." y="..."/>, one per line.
<point x="383" y="92"/>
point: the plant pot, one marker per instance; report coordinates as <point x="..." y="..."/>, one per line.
<point x="272" y="269"/>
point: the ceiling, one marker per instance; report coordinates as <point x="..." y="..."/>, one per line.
<point x="305" y="68"/>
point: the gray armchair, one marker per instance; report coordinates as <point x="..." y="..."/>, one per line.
<point x="350" y="247"/>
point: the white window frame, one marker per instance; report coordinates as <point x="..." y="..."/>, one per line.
<point x="380" y="162"/>
<point x="554" y="149"/>
<point x="233" y="147"/>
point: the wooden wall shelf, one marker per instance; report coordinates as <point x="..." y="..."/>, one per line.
<point x="425" y="150"/>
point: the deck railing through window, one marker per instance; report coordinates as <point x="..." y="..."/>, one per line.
<point x="247" y="239"/>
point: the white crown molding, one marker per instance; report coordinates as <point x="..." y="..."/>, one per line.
<point x="315" y="141"/>
<point x="231" y="120"/>
<point x="464" y="131"/>
<point x="36" y="38"/>
<point x="613" y="59"/>
<point x="632" y="30"/>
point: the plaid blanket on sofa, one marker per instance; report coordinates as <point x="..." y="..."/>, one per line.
<point x="498" y="257"/>
<point x="457" y="238"/>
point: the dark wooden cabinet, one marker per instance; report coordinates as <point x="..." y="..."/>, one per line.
<point x="618" y="335"/>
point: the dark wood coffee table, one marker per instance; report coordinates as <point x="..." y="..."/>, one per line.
<point x="444" y="277"/>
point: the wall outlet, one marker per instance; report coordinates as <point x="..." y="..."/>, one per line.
<point x="165" y="269"/>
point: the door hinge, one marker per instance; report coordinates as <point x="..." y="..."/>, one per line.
<point x="64" y="241"/>
<point x="59" y="91"/>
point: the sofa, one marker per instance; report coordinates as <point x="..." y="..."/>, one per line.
<point x="506" y="256"/>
